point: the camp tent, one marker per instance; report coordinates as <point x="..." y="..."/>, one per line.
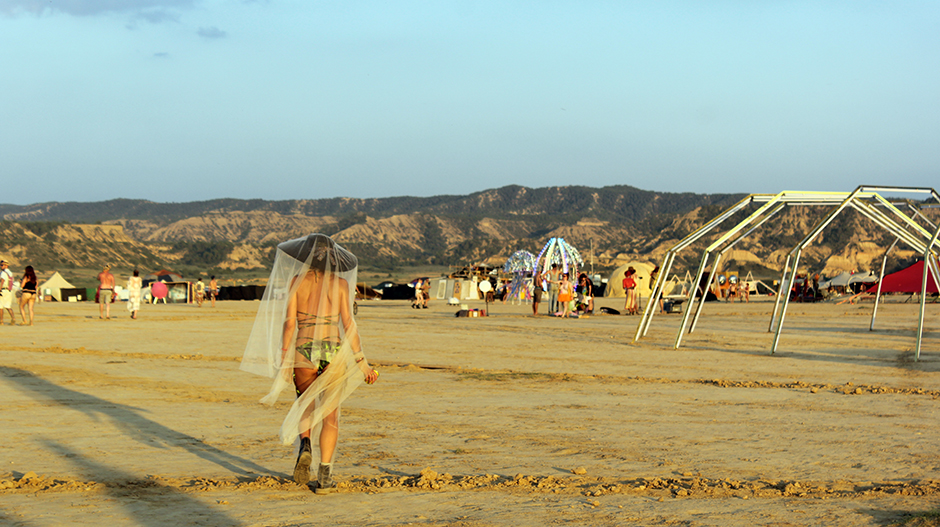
<point x="54" y="285"/>
<point x="863" y="278"/>
<point x="642" y="277"/>
<point x="162" y="276"/>
<point x="908" y="280"/>
<point x="840" y="280"/>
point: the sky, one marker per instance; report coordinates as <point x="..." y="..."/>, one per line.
<point x="188" y="100"/>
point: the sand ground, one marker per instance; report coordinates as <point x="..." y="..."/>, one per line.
<point x="505" y="420"/>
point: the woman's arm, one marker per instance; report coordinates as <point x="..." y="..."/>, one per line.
<point x="290" y="321"/>
<point x="349" y="325"/>
<point x="352" y="333"/>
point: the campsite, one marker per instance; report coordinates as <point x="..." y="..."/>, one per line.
<point x="475" y="420"/>
<point x="704" y="412"/>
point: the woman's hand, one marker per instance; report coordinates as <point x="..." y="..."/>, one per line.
<point x="367" y="371"/>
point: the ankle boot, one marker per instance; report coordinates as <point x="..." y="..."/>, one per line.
<point x="325" y="484"/>
<point x="304" y="458"/>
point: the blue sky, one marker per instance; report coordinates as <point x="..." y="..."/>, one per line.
<point x="182" y="100"/>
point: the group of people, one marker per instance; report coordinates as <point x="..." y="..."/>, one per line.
<point x="27" y="293"/>
<point x="106" y="293"/>
<point x="565" y="298"/>
<point x="200" y="292"/>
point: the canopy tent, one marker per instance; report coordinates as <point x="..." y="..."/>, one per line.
<point x="842" y="279"/>
<point x="162" y="276"/>
<point x="863" y="278"/>
<point x="908" y="280"/>
<point x="54" y="285"/>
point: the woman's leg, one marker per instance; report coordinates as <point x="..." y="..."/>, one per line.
<point x="329" y="434"/>
<point x="303" y="378"/>
<point x="23" y="313"/>
<point x="32" y="301"/>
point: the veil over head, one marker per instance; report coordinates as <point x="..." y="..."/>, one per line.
<point x="307" y="309"/>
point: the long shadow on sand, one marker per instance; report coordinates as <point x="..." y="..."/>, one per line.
<point x="7" y="519"/>
<point x="127" y="419"/>
<point x="147" y="502"/>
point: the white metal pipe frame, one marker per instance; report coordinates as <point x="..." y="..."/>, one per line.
<point x="866" y="200"/>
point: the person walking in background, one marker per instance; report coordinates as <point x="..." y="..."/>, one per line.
<point x="213" y="289"/>
<point x="199" y="292"/>
<point x="28" y="295"/>
<point x="419" y="294"/>
<point x="426" y="292"/>
<point x="134" y="286"/>
<point x="6" y="291"/>
<point x="105" y="292"/>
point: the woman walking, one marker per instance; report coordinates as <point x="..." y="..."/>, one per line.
<point x="28" y="295"/>
<point x="306" y="338"/>
<point x="134" y="286"/>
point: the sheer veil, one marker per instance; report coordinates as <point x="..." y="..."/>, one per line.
<point x="307" y="304"/>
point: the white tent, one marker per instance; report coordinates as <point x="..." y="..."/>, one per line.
<point x="54" y="286"/>
<point x="642" y="277"/>
<point x="865" y="278"/>
<point x="840" y="280"/>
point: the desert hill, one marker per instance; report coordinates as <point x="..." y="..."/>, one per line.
<point x="621" y="224"/>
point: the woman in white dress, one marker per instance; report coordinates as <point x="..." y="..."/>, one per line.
<point x="134" y="285"/>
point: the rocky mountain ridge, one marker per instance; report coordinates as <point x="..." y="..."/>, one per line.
<point x="621" y="224"/>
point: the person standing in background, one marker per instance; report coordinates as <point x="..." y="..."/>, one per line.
<point x="536" y="290"/>
<point x="554" y="281"/>
<point x="6" y="292"/>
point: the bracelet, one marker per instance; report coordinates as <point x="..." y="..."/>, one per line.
<point x="360" y="359"/>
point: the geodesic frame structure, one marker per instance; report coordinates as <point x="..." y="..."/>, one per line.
<point x="866" y="200"/>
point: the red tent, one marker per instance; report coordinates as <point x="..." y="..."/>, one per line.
<point x="908" y="280"/>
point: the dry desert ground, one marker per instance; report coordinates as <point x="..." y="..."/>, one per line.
<point x="504" y="420"/>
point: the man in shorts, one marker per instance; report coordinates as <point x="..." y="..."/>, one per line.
<point x="6" y="291"/>
<point x="105" y="292"/>
<point x="536" y="291"/>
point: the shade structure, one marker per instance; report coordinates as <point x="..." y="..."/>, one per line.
<point x="520" y="262"/>
<point x="840" y="280"/>
<point x="908" y="280"/>
<point x="558" y="251"/>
